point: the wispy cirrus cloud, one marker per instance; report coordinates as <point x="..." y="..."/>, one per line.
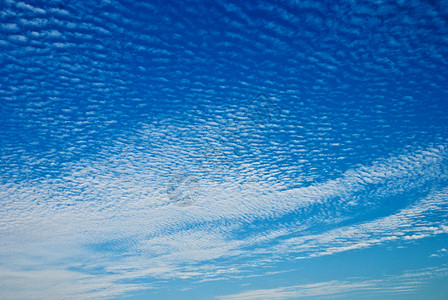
<point x="145" y="236"/>
<point x="387" y="286"/>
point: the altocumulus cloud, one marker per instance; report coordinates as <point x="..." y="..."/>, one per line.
<point x="311" y="131"/>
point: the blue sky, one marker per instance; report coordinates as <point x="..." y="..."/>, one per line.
<point x="223" y="150"/>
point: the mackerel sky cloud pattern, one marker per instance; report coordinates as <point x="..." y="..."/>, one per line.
<point x="223" y="149"/>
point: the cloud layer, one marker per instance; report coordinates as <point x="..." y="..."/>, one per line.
<point x="310" y="130"/>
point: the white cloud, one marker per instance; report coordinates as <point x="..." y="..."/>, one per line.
<point x="403" y="283"/>
<point x="440" y="253"/>
<point x="103" y="208"/>
<point x="92" y="89"/>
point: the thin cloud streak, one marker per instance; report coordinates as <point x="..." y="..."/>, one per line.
<point x="405" y="283"/>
